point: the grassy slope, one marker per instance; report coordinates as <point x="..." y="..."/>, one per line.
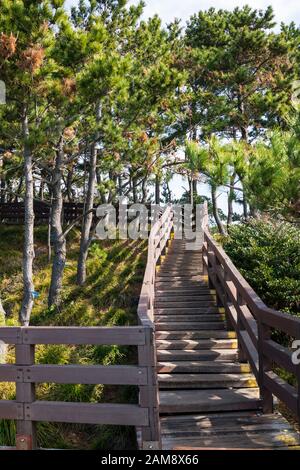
<point x="115" y="273"/>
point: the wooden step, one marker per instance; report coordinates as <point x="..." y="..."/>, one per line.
<point x="200" y="344"/>
<point x="184" y="263"/>
<point x="188" y="310"/>
<point x="239" y="430"/>
<point x="185" y="298"/>
<point x="169" y="283"/>
<point x="160" y="318"/>
<point x="193" y="335"/>
<point x="174" y="282"/>
<point x="208" y="367"/>
<point x="184" y="291"/>
<point x="181" y="276"/>
<point x="190" y="401"/>
<point x="177" y="304"/>
<point x="191" y="326"/>
<point x="180" y="270"/>
<point x="206" y="381"/>
<point x="212" y="354"/>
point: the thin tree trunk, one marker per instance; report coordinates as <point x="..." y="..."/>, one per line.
<point x="194" y="188"/>
<point x="88" y="218"/>
<point x="215" y="210"/>
<point x="144" y="190"/>
<point x="230" y="200"/>
<point x="41" y="192"/>
<point x="191" y="191"/>
<point x="59" y="240"/>
<point x="70" y="192"/>
<point x="28" y="249"/>
<point x="157" y="190"/>
<point x="134" y="190"/>
<point x="2" y="183"/>
<point x="120" y="184"/>
<point x="245" y="206"/>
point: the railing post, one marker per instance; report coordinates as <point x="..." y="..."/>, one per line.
<point x="151" y="438"/>
<point x="25" y="394"/>
<point x="298" y="389"/>
<point x="241" y="354"/>
<point x="265" y="365"/>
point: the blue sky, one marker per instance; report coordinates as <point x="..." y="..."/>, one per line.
<point x="285" y="10"/>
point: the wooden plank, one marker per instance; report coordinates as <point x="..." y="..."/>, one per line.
<point x="186" y="310"/>
<point x="10" y="373"/>
<point x="75" y="374"/>
<point x="191" y="326"/>
<point x="186" y="319"/>
<point x="200" y="344"/>
<point x="185" y="298"/>
<point x="251" y="352"/>
<point x="11" y="409"/>
<point x="198" y="354"/>
<point x="87" y="413"/>
<point x="282" y="390"/>
<point x="193" y="335"/>
<point x="219" y="420"/>
<point x="201" y="367"/>
<point x="118" y="335"/>
<point x="281" y="321"/>
<point x="188" y="401"/>
<point x="10" y="334"/>
<point x="279" y="354"/>
<point x="204" y="381"/>
<point x="235" y="441"/>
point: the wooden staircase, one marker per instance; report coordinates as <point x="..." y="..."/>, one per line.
<point x="207" y="398"/>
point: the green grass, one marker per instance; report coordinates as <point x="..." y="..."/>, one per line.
<point x="110" y="297"/>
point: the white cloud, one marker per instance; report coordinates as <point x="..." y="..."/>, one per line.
<point x="285" y="10"/>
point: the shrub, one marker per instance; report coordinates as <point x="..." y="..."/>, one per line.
<point x="268" y="256"/>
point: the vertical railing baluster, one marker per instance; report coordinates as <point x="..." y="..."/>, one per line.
<point x="265" y="365"/>
<point x="151" y="439"/>
<point x="25" y="394"/>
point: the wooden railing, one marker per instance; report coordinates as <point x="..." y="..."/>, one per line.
<point x="158" y="239"/>
<point x="254" y="322"/>
<point x="27" y="410"/>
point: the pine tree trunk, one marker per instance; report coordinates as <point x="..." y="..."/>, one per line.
<point x="230" y="200"/>
<point x="134" y="190"/>
<point x="144" y="191"/>
<point x="88" y="218"/>
<point x="70" y="193"/>
<point x="215" y="210"/>
<point x="2" y="183"/>
<point x="58" y="240"/>
<point x="28" y="249"/>
<point x="157" y="190"/>
<point x="245" y="206"/>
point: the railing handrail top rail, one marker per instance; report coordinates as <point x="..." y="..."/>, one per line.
<point x="256" y="301"/>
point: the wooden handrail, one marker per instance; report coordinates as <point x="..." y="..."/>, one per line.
<point x="158" y="238"/>
<point x="253" y="322"/>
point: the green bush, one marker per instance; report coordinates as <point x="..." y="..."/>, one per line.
<point x="268" y="256"/>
